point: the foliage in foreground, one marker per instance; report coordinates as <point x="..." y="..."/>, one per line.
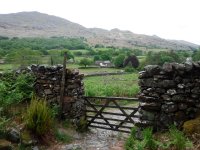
<point x="176" y="140"/>
<point x="3" y="123"/>
<point x="39" y="118"/>
<point x="15" y="89"/>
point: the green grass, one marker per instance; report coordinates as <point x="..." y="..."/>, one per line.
<point x="112" y="85"/>
<point x="72" y="66"/>
<point x="99" y="70"/>
<point x="178" y="139"/>
<point x="93" y="70"/>
<point x="102" y="49"/>
<point x="7" y="67"/>
<point x="63" y="137"/>
<point x="173" y="139"/>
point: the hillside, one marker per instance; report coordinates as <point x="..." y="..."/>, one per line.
<point x="35" y="24"/>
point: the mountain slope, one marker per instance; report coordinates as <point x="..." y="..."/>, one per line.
<point x="35" y="24"/>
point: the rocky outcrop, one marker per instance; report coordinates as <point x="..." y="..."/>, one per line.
<point x="169" y="94"/>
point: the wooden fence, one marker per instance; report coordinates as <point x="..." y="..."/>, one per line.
<point x="109" y="113"/>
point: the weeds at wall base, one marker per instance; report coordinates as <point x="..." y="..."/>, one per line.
<point x="173" y="139"/>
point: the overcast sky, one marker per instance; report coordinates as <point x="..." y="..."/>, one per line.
<point x="170" y="19"/>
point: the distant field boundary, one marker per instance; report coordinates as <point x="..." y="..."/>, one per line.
<point x="105" y="74"/>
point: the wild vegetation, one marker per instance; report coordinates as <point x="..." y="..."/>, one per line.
<point x="39" y="118"/>
<point x="15" y="89"/>
<point x="173" y="139"/>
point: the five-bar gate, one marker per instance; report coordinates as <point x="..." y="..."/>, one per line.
<point x="109" y="113"/>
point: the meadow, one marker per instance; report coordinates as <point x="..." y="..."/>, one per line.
<point x="113" y="85"/>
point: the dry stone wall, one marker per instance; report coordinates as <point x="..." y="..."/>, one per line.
<point x="48" y="84"/>
<point x="169" y="94"/>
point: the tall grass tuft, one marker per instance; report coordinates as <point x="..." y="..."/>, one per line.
<point x="149" y="141"/>
<point x="39" y="118"/>
<point x="178" y="139"/>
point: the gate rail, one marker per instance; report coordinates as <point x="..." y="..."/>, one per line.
<point x="96" y="115"/>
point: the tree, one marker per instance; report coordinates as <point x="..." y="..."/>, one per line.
<point x="78" y="53"/>
<point x="106" y="56"/>
<point x="97" y="57"/>
<point x="69" y="54"/>
<point x="24" y="57"/>
<point x="159" y="58"/>
<point x="132" y="60"/>
<point x="85" y="62"/>
<point x="196" y="55"/>
<point x="119" y="61"/>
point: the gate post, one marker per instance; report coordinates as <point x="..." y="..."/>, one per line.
<point x="62" y="88"/>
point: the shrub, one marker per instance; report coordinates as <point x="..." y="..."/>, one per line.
<point x="175" y="140"/>
<point x="159" y="58"/>
<point x="14" y="89"/>
<point x="130" y="69"/>
<point x="148" y="141"/>
<point x="39" y="118"/>
<point x="178" y="140"/>
<point x="119" y="61"/>
<point x="24" y="85"/>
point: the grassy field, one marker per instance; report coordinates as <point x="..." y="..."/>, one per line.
<point x="112" y="85"/>
<point x="7" y="67"/>
<point x="99" y="70"/>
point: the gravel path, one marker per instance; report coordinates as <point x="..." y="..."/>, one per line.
<point x="99" y="139"/>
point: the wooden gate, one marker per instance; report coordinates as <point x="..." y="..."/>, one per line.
<point x="109" y="113"/>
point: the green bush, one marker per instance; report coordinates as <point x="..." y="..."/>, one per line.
<point x="159" y="58"/>
<point x="119" y="61"/>
<point x="15" y="89"/>
<point x="178" y="139"/>
<point x="130" y="69"/>
<point x="39" y="118"/>
<point x="175" y="140"/>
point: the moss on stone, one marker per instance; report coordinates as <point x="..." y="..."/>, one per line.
<point x="192" y="126"/>
<point x="82" y="124"/>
